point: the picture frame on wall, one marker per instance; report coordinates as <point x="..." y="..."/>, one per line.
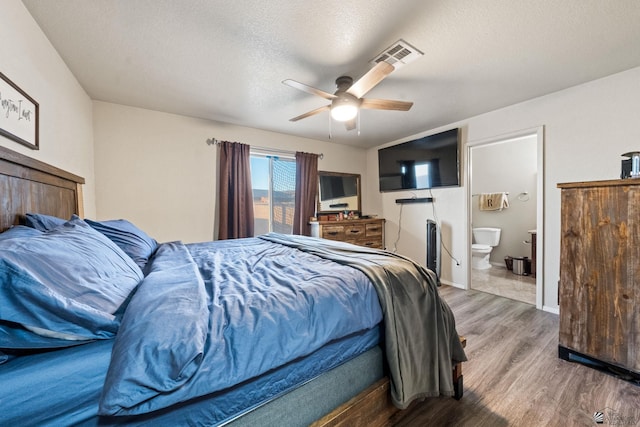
<point x="19" y="114"/>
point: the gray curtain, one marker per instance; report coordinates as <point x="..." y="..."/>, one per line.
<point x="306" y="192"/>
<point x="235" y="201"/>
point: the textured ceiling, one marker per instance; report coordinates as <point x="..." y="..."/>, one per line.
<point x="225" y="60"/>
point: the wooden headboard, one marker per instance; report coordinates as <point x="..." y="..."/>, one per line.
<point x="29" y="185"/>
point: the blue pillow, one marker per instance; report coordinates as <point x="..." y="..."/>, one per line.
<point x="71" y="281"/>
<point x="133" y="241"/>
<point x="19" y="231"/>
<point x="43" y="222"/>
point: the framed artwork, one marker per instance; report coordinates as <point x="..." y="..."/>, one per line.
<point x="18" y="114"/>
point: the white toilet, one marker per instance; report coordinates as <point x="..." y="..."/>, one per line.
<point x="486" y="238"/>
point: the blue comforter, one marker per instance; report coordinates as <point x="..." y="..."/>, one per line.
<point x="210" y="316"/>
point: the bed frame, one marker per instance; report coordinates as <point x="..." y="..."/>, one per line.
<point x="374" y="408"/>
<point x="29" y="185"/>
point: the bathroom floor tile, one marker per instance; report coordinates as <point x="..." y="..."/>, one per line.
<point x="503" y="282"/>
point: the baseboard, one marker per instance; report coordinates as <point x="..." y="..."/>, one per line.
<point x="452" y="284"/>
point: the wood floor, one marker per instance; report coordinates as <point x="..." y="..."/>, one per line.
<point x="514" y="376"/>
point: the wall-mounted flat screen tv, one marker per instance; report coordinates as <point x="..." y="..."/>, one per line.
<point x="428" y="162"/>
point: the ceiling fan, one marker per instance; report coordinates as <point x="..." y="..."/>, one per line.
<point x="348" y="98"/>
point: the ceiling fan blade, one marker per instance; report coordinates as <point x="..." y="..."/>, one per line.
<point x="305" y="88"/>
<point x="370" y="79"/>
<point x="385" y="104"/>
<point x="311" y="113"/>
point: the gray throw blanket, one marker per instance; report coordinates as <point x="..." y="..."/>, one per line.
<point x="421" y="341"/>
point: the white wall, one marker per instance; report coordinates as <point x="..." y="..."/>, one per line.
<point x="586" y="128"/>
<point x="66" y="133"/>
<point x="156" y="169"/>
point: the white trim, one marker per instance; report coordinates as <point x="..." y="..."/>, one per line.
<point x="455" y="285"/>
<point x="264" y="152"/>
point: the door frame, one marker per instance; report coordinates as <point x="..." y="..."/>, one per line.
<point x="539" y="133"/>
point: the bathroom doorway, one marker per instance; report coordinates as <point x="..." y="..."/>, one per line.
<point x="512" y="165"/>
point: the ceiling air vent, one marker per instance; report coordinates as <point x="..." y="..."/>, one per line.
<point x="398" y="54"/>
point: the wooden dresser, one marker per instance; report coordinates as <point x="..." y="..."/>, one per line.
<point x="363" y="232"/>
<point x="599" y="293"/>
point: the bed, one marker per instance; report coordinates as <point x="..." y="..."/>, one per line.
<point x="272" y="330"/>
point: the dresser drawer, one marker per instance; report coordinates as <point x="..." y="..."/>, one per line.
<point x="333" y="232"/>
<point x="363" y="232"/>
<point x="354" y="231"/>
<point x="371" y="243"/>
<point x="374" y="230"/>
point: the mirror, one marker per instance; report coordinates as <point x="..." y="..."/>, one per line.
<point x="338" y="192"/>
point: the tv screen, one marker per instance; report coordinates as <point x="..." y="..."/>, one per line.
<point x="428" y="162"/>
<point x="334" y="187"/>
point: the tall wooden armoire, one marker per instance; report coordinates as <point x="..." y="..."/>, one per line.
<point x="599" y="289"/>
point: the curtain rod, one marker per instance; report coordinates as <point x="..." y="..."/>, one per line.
<point x="213" y="141"/>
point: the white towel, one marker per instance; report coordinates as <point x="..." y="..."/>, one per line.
<point x="493" y="201"/>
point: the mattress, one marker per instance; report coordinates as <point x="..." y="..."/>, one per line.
<point x="62" y="387"/>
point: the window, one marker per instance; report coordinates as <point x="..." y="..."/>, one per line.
<point x="273" y="180"/>
<point x="423" y="178"/>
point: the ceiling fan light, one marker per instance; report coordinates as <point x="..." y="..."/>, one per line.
<point x="343" y="113"/>
<point x="344" y="109"/>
